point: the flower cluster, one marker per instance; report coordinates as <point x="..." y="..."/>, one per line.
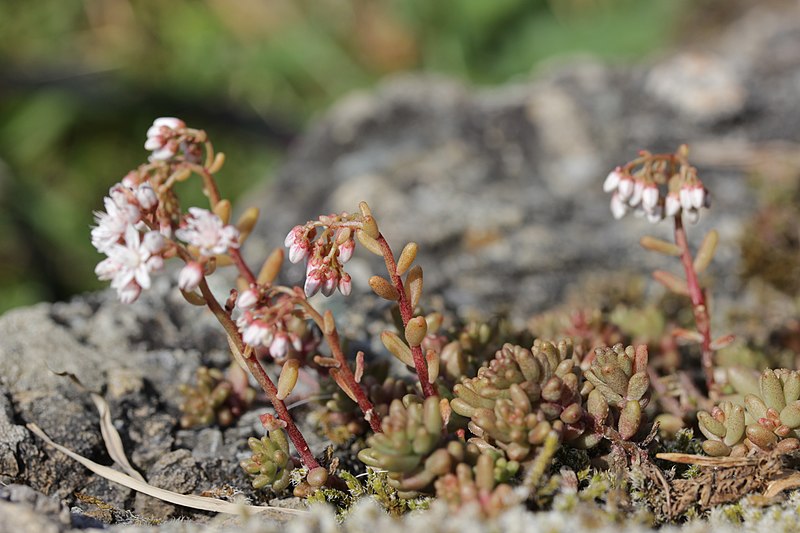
<point x="325" y="257"/>
<point x="133" y="251"/>
<point x="273" y="324"/>
<point x="655" y="187"/>
<point x="163" y="138"/>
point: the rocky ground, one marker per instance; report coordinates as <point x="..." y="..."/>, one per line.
<point x="499" y="186"/>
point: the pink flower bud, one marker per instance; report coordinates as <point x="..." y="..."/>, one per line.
<point x="190" y="276"/>
<point x="650" y="196"/>
<point x="313" y="283"/>
<point x="293" y="236"/>
<point x="146" y="196"/>
<point x="247" y="299"/>
<point x="698" y="194"/>
<point x="625" y="188"/>
<point x="618" y="207"/>
<point x="686" y="197"/>
<point x="153" y="242"/>
<point x="612" y="180"/>
<point x="298" y="251"/>
<point x="672" y="204"/>
<point x="330" y="283"/>
<point x="279" y="346"/>
<point x="346" y="250"/>
<point x="256" y="334"/>
<point x="345" y="284"/>
<point x="170" y="122"/>
<point x="636" y="197"/>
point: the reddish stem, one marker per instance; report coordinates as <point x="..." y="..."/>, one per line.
<point x="699" y="307"/>
<point x="332" y="339"/>
<point x="262" y="378"/>
<point x="406" y="313"/>
<point x="241" y="266"/>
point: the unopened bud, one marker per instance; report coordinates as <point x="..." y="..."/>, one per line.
<point x="190" y="276"/>
<point x="247" y="299"/>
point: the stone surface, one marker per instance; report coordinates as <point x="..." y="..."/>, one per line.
<point x="499" y="186"/>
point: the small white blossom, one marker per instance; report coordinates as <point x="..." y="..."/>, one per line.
<point x="650" y="196"/>
<point x="698" y="194"/>
<point x="128" y="264"/>
<point x="154" y="242"/>
<point x="685" y="195"/>
<point x="672" y="204"/>
<point x="254" y="332"/>
<point x="247" y="299"/>
<point x="618" y="206"/>
<point x="190" y="276"/>
<point x="279" y="346"/>
<point x="206" y="231"/>
<point x="625" y="188"/>
<point x="114" y="221"/>
<point x="612" y="180"/>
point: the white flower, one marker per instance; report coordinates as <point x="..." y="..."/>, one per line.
<point x="618" y="206"/>
<point x="650" y="196"/>
<point x="247" y="299"/>
<point x="206" y="231"/>
<point x="673" y="204"/>
<point x="190" y="276"/>
<point x="279" y="346"/>
<point x="698" y="194"/>
<point x="685" y="195"/>
<point x="254" y="332"/>
<point x="612" y="180"/>
<point x="129" y="264"/>
<point x="298" y="244"/>
<point x="154" y="242"/>
<point x="114" y="221"/>
<point x="625" y="188"/>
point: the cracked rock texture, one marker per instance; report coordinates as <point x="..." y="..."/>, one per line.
<point x="499" y="186"/>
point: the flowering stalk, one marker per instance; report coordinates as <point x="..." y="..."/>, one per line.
<point x="699" y="307"/>
<point x="666" y="185"/>
<point x="406" y="314"/>
<point x="263" y="379"/>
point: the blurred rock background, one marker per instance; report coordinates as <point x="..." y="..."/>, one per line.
<point x="80" y="81"/>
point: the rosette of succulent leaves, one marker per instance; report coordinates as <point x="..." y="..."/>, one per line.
<point x="763" y="416"/>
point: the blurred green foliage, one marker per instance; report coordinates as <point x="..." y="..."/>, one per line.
<point x="81" y="80"/>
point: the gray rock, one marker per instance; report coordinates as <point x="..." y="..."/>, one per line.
<point x="177" y="471"/>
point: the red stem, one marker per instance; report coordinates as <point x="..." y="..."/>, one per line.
<point x="262" y="378"/>
<point x="335" y="346"/>
<point x="699" y="307"/>
<point x="406" y="313"/>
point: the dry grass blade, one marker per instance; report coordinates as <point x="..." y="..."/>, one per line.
<point x="702" y="460"/>
<point x="779" y="485"/>
<point x="186" y="500"/>
<point x="110" y="435"/>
